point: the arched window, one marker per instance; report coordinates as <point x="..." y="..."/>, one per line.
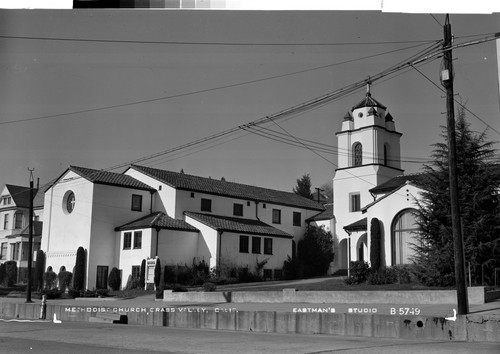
<point x="357" y="154"/>
<point x="404" y="237"/>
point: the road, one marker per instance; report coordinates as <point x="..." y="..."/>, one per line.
<point x="82" y="337"/>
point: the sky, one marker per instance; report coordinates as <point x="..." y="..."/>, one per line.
<point x="121" y="85"/>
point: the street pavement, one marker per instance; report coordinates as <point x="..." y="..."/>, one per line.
<point x="82" y="337"/>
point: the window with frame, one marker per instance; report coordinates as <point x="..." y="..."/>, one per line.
<point x="276" y="216"/>
<point x="357" y="155"/>
<point x="256" y="245"/>
<point x="6" y="200"/>
<point x="3" y="251"/>
<point x="70" y="202"/>
<point x="237" y="209"/>
<point x="127" y="240"/>
<point x="137" y="239"/>
<point x="136" y="202"/>
<point x="136" y="272"/>
<point x="206" y="204"/>
<point x="268" y="245"/>
<point x="18" y="220"/>
<point x="297" y="218"/>
<point x="15" y="251"/>
<point x="6" y="221"/>
<point x="244" y="244"/>
<point x="355" y="202"/>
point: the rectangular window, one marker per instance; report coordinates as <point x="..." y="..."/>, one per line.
<point x="127" y="240"/>
<point x="268" y="245"/>
<point x="297" y="218"/>
<point x="192" y="195"/>
<point x="355" y="202"/>
<point x="15" y="251"/>
<point x="137" y="239"/>
<point x="102" y="277"/>
<point x="276" y="216"/>
<point x="256" y="245"/>
<point x="19" y="221"/>
<point x="6" y="221"/>
<point x="6" y="200"/>
<point x="136" y="272"/>
<point x="244" y="244"/>
<point x="136" y="202"/>
<point x="3" y="251"/>
<point x="237" y="209"/>
<point x="206" y="204"/>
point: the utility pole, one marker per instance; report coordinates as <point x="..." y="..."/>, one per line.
<point x="447" y="81"/>
<point x="30" y="242"/>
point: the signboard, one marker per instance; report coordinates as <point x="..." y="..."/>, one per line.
<point x="150" y="270"/>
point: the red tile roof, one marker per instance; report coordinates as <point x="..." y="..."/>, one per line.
<point x="110" y="178"/>
<point x="360" y="225"/>
<point x="229" y="189"/>
<point x="238" y="225"/>
<point x="158" y="220"/>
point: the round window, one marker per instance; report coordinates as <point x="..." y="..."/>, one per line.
<point x="70" y="201"/>
<point x="360" y="114"/>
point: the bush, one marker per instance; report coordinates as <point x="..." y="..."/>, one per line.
<point x="405" y="273"/>
<point x="51" y="293"/>
<point x="3" y="273"/>
<point x="376" y="244"/>
<point x="142" y="276"/>
<point x="209" y="287"/>
<point x="382" y="276"/>
<point x="359" y="271"/>
<point x="157" y="273"/>
<point x="49" y="279"/>
<point x="39" y="267"/>
<point x="64" y="279"/>
<point x="169" y="274"/>
<point x="74" y="293"/>
<point x="133" y="283"/>
<point x="316" y="251"/>
<point x="79" y="276"/>
<point x="293" y="268"/>
<point x="114" y="279"/>
<point x="11" y="272"/>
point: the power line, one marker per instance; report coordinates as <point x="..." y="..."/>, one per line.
<point x="128" y="41"/>
<point x="90" y="110"/>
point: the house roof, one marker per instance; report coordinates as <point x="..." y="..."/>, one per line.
<point x="417" y="179"/>
<point x="228" y="189"/>
<point x="107" y="178"/>
<point x="359" y="225"/>
<point x="158" y="220"/>
<point x="368" y="101"/>
<point x="326" y="214"/>
<point x="20" y="195"/>
<point x="238" y="225"/>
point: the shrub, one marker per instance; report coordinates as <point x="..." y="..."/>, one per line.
<point x="74" y="293"/>
<point x="3" y="273"/>
<point x="79" y="276"/>
<point x="405" y="273"/>
<point x="142" y="279"/>
<point x="11" y="272"/>
<point x="114" y="279"/>
<point x="50" y="293"/>
<point x="64" y="279"/>
<point x="157" y="273"/>
<point x="39" y="267"/>
<point x="208" y="286"/>
<point x="382" y="276"/>
<point x="316" y="251"/>
<point x="49" y="279"/>
<point x="359" y="271"/>
<point x="376" y="244"/>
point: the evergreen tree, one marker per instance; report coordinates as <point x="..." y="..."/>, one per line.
<point x="478" y="185"/>
<point x="315" y="251"/>
<point x="39" y="267"/>
<point x="375" y="244"/>
<point x="79" y="274"/>
<point x="142" y="276"/>
<point x="157" y="273"/>
<point x="303" y="187"/>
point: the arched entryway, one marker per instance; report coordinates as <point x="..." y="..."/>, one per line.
<point x="404" y="236"/>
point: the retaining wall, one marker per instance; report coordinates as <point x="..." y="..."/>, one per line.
<point x="480" y="328"/>
<point x="476" y="297"/>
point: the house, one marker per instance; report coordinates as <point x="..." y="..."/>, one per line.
<point x="123" y="218"/>
<point x="14" y="229"/>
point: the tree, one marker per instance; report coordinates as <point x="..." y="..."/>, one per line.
<point x="315" y="251"/>
<point x="375" y="244"/>
<point x="157" y="273"/>
<point x="303" y="187"/>
<point x="142" y="276"/>
<point x="327" y="191"/>
<point x="114" y="279"/>
<point x="79" y="273"/>
<point x="11" y="272"/>
<point x="39" y="267"/>
<point x="478" y="185"/>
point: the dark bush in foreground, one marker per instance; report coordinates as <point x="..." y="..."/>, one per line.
<point x="51" y="294"/>
<point x="359" y="272"/>
<point x="208" y="286"/>
<point x="114" y="280"/>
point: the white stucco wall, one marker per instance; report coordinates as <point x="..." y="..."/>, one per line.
<point x="178" y="247"/>
<point x="133" y="257"/>
<point x="207" y="242"/>
<point x="386" y="210"/>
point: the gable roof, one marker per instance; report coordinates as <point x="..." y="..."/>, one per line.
<point x="229" y="189"/>
<point x="20" y="195"/>
<point x="106" y="178"/>
<point x="359" y="225"/>
<point x="327" y="214"/>
<point x="417" y="179"/>
<point x="158" y="220"/>
<point x="238" y="225"/>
